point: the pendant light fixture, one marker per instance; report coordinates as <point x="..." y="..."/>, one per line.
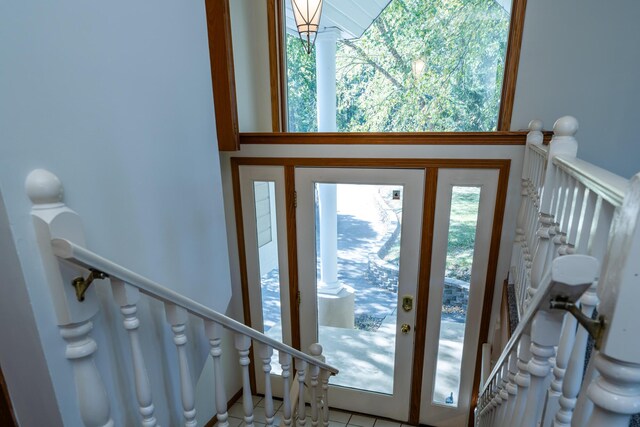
<point x="307" y="15"/>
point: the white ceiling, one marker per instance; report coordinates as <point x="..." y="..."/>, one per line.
<point x="352" y="17"/>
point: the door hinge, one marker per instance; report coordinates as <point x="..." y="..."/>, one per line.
<point x="295" y="199"/>
<point x="299" y="296"/>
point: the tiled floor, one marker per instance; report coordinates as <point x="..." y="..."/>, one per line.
<point x="336" y="418"/>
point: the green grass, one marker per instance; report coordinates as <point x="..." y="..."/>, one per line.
<point x="462" y="234"/>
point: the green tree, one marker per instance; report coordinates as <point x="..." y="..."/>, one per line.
<point x="463" y="43"/>
<point x="301" y="87"/>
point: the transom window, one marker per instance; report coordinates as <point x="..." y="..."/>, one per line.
<point x="399" y="66"/>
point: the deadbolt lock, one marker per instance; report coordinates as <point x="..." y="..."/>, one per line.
<point x="407" y="303"/>
<point x="405" y="328"/>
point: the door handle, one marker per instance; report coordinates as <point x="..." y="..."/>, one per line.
<point x="405" y="328"/>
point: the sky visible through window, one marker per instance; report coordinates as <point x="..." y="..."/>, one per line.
<point x="422" y="65"/>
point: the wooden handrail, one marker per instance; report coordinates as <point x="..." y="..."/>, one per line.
<point x="84" y="258"/>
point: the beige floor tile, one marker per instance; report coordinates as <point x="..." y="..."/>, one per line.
<point x="258" y="415"/>
<point x="361" y="421"/>
<point x="236" y="410"/>
<point x="256" y="400"/>
<point x="234" y="422"/>
<point x="339" y="416"/>
<point x="277" y="403"/>
<point x="386" y="423"/>
<point x="336" y="424"/>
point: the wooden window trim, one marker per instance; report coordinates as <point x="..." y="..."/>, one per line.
<point x="222" y="74"/>
<point x="389" y="138"/>
<point x="277" y="59"/>
<point x="512" y="61"/>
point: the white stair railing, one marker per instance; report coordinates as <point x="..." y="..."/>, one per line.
<point x="577" y="208"/>
<point x="61" y="240"/>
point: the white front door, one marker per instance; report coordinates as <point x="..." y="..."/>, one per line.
<point x="358" y="233"/>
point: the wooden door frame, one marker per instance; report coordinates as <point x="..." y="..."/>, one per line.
<point x="431" y="167"/>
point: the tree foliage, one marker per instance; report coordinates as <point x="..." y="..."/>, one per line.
<point x="462" y="42"/>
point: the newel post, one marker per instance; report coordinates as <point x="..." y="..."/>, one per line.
<point x="616" y="393"/>
<point x="52" y="219"/>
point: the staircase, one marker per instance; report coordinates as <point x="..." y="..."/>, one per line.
<point x="74" y="272"/>
<point x="576" y="274"/>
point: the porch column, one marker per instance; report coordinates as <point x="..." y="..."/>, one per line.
<point x="335" y="301"/>
<point x="326" y="79"/>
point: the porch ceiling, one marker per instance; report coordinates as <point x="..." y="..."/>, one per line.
<point x="352" y="17"/>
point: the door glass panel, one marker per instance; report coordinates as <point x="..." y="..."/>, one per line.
<point x="358" y="229"/>
<point x="463" y="219"/>
<point x="267" y="238"/>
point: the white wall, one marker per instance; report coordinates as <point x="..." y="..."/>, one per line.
<point x="581" y="57"/>
<point x="251" y="60"/>
<point x="114" y="98"/>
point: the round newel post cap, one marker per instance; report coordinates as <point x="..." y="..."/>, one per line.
<point x="43" y="187"/>
<point x="535" y="125"/>
<point x="565" y="126"/>
<point x="315" y="349"/>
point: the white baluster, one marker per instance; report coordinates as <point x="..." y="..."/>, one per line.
<point x="504" y="395"/>
<point x="301" y="367"/>
<point x="522" y="379"/>
<point x="314" y="372"/>
<point x="562" y="143"/>
<point x="615" y="394"/>
<point x="177" y="318"/>
<point x="584" y="230"/>
<point x="285" y="363"/>
<point x="52" y="219"/>
<point x="573" y="374"/>
<point x="520" y="221"/>
<point x="567" y="339"/>
<point x="92" y="396"/>
<point x="560" y="236"/>
<point x="539" y="265"/>
<point x="127" y="297"/>
<point x="579" y="212"/>
<point x="490" y="404"/>
<point x="497" y="398"/>
<point x="512" y="389"/>
<point x="584" y="405"/>
<point x="325" y="396"/>
<point x="570" y="207"/>
<point x="545" y="335"/>
<point x="265" y="353"/>
<point x="243" y="343"/>
<point x="214" y="333"/>
<point x="316" y="351"/>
